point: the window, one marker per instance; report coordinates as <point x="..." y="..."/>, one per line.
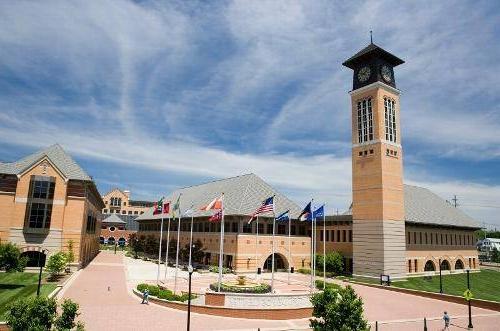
<point x="390" y="120"/>
<point x="39" y="204"/>
<point x="350" y="236"/>
<point x="302" y="230"/>
<point x="247" y="228"/>
<point x="409" y="265"/>
<point x="269" y="228"/>
<point x="338" y="235"/>
<point x="420" y="235"/>
<point x="292" y="228"/>
<point x="321" y="235"/>
<point x="365" y="120"/>
<point x="343" y="236"/>
<point x="91" y="222"/>
<point x="282" y="229"/>
<point x="409" y="238"/>
<point x="416" y="267"/>
<point x="426" y="238"/>
<point x="327" y="234"/>
<point x="104" y="211"/>
<point x="116" y="202"/>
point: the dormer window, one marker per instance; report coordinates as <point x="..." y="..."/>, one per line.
<point x="365" y="120"/>
<point x="390" y="120"/>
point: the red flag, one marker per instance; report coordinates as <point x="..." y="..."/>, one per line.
<point x="166" y="208"/>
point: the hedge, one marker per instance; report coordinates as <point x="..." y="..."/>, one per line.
<point x="261" y="288"/>
<point x="214" y="268"/>
<point x="165" y="294"/>
<point x="319" y="285"/>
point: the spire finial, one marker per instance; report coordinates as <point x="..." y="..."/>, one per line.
<point x="371" y="37"/>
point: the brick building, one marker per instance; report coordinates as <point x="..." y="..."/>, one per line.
<point x="46" y="200"/>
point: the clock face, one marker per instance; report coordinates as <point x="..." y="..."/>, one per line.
<point x="386" y="73"/>
<point x="363" y="74"/>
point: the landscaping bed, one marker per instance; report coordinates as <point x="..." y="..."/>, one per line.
<point x="164" y="293"/>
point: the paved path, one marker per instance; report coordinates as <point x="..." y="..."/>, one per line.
<point x="119" y="309"/>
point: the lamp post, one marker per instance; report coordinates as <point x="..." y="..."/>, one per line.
<point x="440" y="279"/>
<point x="115" y="247"/>
<point x="190" y="270"/>
<point x="468" y="301"/>
<point x="39" y="273"/>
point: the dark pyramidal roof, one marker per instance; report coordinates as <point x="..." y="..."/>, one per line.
<point x="370" y="51"/>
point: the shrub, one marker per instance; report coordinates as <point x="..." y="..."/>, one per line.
<point x="66" y="321"/>
<point x="70" y="255"/>
<point x="142" y="287"/>
<point x="153" y="290"/>
<point x="10" y="258"/>
<point x="34" y="313"/>
<point x="56" y="263"/>
<point x="333" y="263"/>
<point x="214" y="268"/>
<point x="338" y="310"/>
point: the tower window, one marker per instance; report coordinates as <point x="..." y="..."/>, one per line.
<point x="390" y="120"/>
<point x="365" y="120"/>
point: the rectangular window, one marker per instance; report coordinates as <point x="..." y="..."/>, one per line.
<point x="414" y="238"/>
<point x="269" y="229"/>
<point x="365" y="120"/>
<point x="416" y="267"/>
<point x="327" y="234"/>
<point x="302" y="230"/>
<point x="343" y="236"/>
<point x="409" y="238"/>
<point x="409" y="265"/>
<point x="293" y="230"/>
<point x="39" y="204"/>
<point x="426" y="238"/>
<point x="281" y="229"/>
<point x="332" y="235"/>
<point x="390" y="120"/>
<point x="420" y="235"/>
<point x="247" y="228"/>
<point x="321" y="235"/>
<point x="350" y="235"/>
<point x="338" y="235"/>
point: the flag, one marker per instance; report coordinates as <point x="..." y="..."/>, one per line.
<point x="267" y="206"/>
<point x="216" y="217"/>
<point x="283" y="217"/>
<point x="215" y="204"/>
<point x="306" y="214"/>
<point x="320" y="212"/>
<point x="177" y="206"/>
<point x="189" y="212"/>
<point x="160" y="208"/>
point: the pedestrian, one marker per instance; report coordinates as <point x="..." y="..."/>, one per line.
<point x="446" y="319"/>
<point x="145" y="297"/>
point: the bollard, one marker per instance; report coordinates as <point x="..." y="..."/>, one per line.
<point x="425" y="324"/>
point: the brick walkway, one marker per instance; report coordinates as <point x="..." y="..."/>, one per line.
<point x="119" y="309"/>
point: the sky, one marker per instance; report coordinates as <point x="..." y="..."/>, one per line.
<point x="154" y="95"/>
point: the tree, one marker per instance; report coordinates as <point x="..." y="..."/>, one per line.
<point x="338" y="310"/>
<point x="39" y="313"/>
<point x="70" y="255"/>
<point x="33" y="313"/>
<point x="495" y="255"/>
<point x="334" y="262"/>
<point x="10" y="258"/>
<point x="56" y="263"/>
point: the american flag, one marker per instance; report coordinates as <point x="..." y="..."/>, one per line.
<point x="267" y="206"/>
<point x="216" y="217"/>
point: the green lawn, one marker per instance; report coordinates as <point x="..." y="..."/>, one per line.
<point x="484" y="285"/>
<point x="19" y="285"/>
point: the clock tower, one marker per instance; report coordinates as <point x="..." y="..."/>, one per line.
<point x="377" y="165"/>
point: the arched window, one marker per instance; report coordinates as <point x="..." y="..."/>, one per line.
<point x="35" y="258"/>
<point x="445" y="265"/>
<point x="111" y="241"/>
<point x="459" y="265"/>
<point x="429" y="266"/>
<point x="121" y="241"/>
<point x="101" y="240"/>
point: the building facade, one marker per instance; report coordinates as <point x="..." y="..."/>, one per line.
<point x="118" y="202"/>
<point x="114" y="231"/>
<point x="48" y="203"/>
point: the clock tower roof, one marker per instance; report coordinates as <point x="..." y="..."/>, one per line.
<point x="372" y="51"/>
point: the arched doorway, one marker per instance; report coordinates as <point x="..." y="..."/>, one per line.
<point x="111" y="241"/>
<point x="121" y="241"/>
<point x="445" y="265"/>
<point x="459" y="264"/>
<point x="101" y="240"/>
<point x="35" y="258"/>
<point x="279" y="262"/>
<point x="429" y="266"/>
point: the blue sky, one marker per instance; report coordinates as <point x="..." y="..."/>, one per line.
<point x="153" y="95"/>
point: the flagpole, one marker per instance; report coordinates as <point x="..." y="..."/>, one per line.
<point x="168" y="244"/>
<point x="256" y="248"/>
<point x="272" y="261"/>
<point x="159" y="249"/>
<point x="221" y="244"/>
<point x="289" y="247"/>
<point x="324" y="247"/>
<point x="312" y="244"/>
<point x="178" y="239"/>
<point x="191" y="237"/>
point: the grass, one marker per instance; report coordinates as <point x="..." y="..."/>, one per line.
<point x="484" y="285"/>
<point x="18" y="285"/>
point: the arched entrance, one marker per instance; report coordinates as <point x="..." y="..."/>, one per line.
<point x="445" y="265"/>
<point x="101" y="240"/>
<point x="459" y="265"/>
<point x="279" y="262"/>
<point x="35" y="258"/>
<point x="429" y="266"/>
<point x="121" y="241"/>
<point x="111" y="241"/>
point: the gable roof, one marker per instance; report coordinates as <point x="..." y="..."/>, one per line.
<point x="56" y="154"/>
<point x="425" y="207"/>
<point x="242" y="196"/>
<point x="113" y="218"/>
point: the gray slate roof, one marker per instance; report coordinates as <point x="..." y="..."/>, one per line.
<point x="424" y="207"/>
<point x="113" y="218"/>
<point x="56" y="154"/>
<point x="242" y="196"/>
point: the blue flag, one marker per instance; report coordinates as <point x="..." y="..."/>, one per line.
<point x="320" y="212"/>
<point x="306" y="214"/>
<point x="283" y="217"/>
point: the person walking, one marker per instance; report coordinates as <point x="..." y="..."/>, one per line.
<point x="446" y="319"/>
<point x="145" y="297"/>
